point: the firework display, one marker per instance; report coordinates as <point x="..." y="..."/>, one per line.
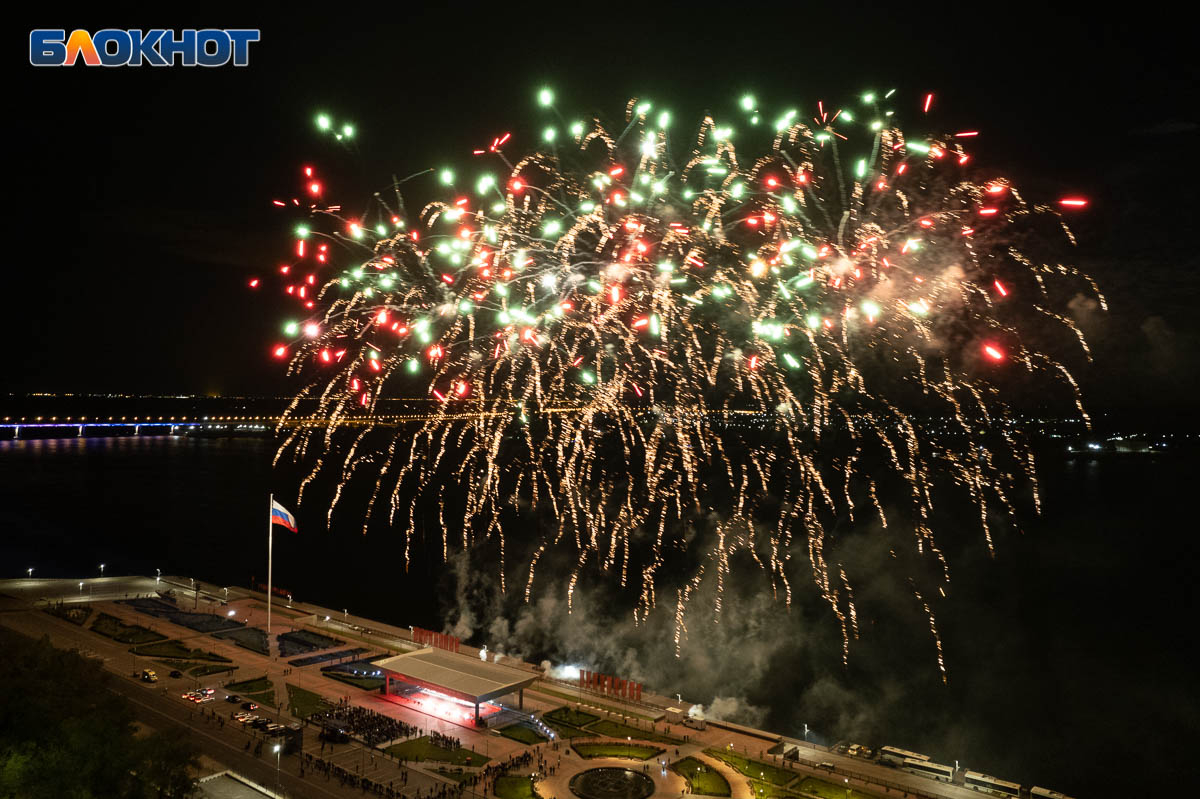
<point x="615" y="339"/>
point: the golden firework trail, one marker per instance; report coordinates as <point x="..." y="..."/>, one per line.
<point x="625" y="341"/>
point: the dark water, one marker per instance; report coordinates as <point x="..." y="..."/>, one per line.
<point x="1069" y="652"/>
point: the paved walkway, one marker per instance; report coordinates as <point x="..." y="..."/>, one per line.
<point x="356" y="631"/>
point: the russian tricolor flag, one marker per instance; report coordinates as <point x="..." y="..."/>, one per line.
<point x="280" y="515"/>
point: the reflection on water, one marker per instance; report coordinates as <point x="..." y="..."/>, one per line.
<point x="1065" y="633"/>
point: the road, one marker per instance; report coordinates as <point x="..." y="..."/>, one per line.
<point x="17" y="611"/>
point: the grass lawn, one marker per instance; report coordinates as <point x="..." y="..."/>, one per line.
<point x="765" y="790"/>
<point x="566" y="732"/>
<point x="114" y="628"/>
<point x="522" y="733"/>
<point x="418" y="749"/>
<point x="204" y="670"/>
<point x="615" y="729"/>
<point x="829" y="790"/>
<point x="266" y="698"/>
<point x="365" y="683"/>
<point x="256" y="685"/>
<point x="258" y="689"/>
<point x="303" y="703"/>
<point x="566" y="715"/>
<point x="704" y="781"/>
<point x="516" y="788"/>
<point x="542" y="689"/>
<point x="630" y="751"/>
<point x="176" y="649"/>
<point x="753" y="768"/>
<point x="250" y="638"/>
<point x="179" y="665"/>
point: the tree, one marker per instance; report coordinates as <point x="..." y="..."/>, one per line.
<point x="63" y="735"/>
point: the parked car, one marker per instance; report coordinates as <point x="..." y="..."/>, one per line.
<point x="175" y="675"/>
<point x="249" y="706"/>
<point x="233" y="699"/>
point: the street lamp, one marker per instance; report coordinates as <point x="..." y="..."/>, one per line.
<point x="277" y="748"/>
<point x="30" y="571"/>
<point x="81" y="587"/>
<point x="158" y="576"/>
<point x="101" y="569"/>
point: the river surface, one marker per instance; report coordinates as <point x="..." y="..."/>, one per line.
<point x="1068" y="652"/>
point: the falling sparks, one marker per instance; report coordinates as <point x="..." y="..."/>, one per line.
<point x="631" y="345"/>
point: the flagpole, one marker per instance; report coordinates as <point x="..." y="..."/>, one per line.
<point x="270" y="558"/>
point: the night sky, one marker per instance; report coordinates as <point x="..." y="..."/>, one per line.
<point x="144" y="196"/>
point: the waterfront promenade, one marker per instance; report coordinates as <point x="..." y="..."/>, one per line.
<point x="23" y="606"/>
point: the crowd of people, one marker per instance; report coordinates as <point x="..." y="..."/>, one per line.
<point x="372" y="727"/>
<point x="444" y="741"/>
<point x="487" y="776"/>
<point x="332" y="771"/>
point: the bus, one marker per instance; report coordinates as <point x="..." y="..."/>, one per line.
<point x="896" y="756"/>
<point x="927" y="768"/>
<point x="1046" y="793"/>
<point x="982" y="782"/>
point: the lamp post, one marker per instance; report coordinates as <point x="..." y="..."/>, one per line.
<point x="277" y="749"/>
<point x="81" y="587"/>
<point x="101" y="569"/>
<point x="30" y="571"/>
<point x="158" y="576"/>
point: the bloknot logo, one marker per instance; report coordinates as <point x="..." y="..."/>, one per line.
<point x="157" y="47"/>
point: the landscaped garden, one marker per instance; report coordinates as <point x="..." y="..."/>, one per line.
<point x="566" y="732"/>
<point x="566" y="715"/>
<point x="177" y="650"/>
<point x="423" y="748"/>
<point x="755" y="769"/>
<point x="250" y="638"/>
<point x="259" y="689"/>
<point x="512" y="787"/>
<point x="702" y="778"/>
<point x="200" y="622"/>
<point x="114" y="628"/>
<point x="523" y="733"/>
<point x="829" y="790"/>
<point x="630" y="751"/>
<point x="615" y="729"/>
<point x="303" y="703"/>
